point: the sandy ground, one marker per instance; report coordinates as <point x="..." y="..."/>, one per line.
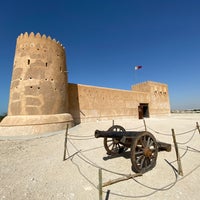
<point x="33" y="167"/>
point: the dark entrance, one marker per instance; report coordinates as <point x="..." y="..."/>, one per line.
<point x="143" y="110"/>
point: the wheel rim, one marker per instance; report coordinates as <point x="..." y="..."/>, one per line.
<point x="144" y="153"/>
<point x="113" y="145"/>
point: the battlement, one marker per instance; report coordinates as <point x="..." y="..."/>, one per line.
<point x="37" y="36"/>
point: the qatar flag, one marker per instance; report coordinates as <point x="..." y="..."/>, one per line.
<point x="138" y="67"/>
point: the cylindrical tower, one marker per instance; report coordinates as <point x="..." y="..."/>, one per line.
<point x="39" y="80"/>
<point x="38" y="91"/>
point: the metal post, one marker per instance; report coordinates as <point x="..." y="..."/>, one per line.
<point x="107" y="195"/>
<point x="65" y="143"/>
<point x="100" y="185"/>
<point x="198" y="127"/>
<point x="113" y="122"/>
<point x="180" y="171"/>
<point x="145" y="125"/>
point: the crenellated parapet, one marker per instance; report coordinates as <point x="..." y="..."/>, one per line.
<point x="38" y="37"/>
<point x="37" y="44"/>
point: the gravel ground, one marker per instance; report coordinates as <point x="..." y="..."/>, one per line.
<point x="32" y="167"/>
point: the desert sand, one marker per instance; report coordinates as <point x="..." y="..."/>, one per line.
<point x="32" y="167"/>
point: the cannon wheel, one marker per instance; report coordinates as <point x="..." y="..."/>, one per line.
<point x="144" y="152"/>
<point x="113" y="145"/>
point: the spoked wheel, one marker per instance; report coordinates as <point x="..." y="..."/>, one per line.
<point x="144" y="152"/>
<point x="113" y="145"/>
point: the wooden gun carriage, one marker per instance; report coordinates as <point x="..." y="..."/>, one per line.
<point x="143" y="145"/>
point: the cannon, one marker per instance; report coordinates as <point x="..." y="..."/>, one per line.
<point x="143" y="146"/>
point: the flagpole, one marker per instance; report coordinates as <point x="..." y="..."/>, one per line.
<point x="135" y="78"/>
<point x="135" y="69"/>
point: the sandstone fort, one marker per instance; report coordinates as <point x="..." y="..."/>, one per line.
<point x="42" y="98"/>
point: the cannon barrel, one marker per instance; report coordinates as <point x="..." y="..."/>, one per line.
<point x="115" y="134"/>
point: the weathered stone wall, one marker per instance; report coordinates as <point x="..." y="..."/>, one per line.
<point x="39" y="81"/>
<point x="89" y="103"/>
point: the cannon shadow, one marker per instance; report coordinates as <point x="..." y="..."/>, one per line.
<point x="125" y="154"/>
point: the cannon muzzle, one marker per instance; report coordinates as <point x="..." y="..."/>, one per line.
<point x="115" y="134"/>
<point x="98" y="134"/>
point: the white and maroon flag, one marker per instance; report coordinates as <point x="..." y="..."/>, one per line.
<point x="138" y="67"/>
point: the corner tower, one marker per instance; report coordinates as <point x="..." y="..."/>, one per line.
<point x="38" y="91"/>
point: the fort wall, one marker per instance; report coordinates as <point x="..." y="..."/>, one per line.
<point x="42" y="100"/>
<point x="89" y="103"/>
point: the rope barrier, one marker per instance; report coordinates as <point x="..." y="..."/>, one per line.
<point x="80" y="155"/>
<point x="194" y="150"/>
<point x="188" y="140"/>
<point x="88" y="161"/>
<point x="186" y="150"/>
<point x="82" y="139"/>
<point x="84" y="158"/>
<point x="164" y="188"/>
<point x="29" y="137"/>
<point x="81" y="135"/>
<point x="177" y="134"/>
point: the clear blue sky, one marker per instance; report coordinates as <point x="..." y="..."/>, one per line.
<point x="105" y="39"/>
